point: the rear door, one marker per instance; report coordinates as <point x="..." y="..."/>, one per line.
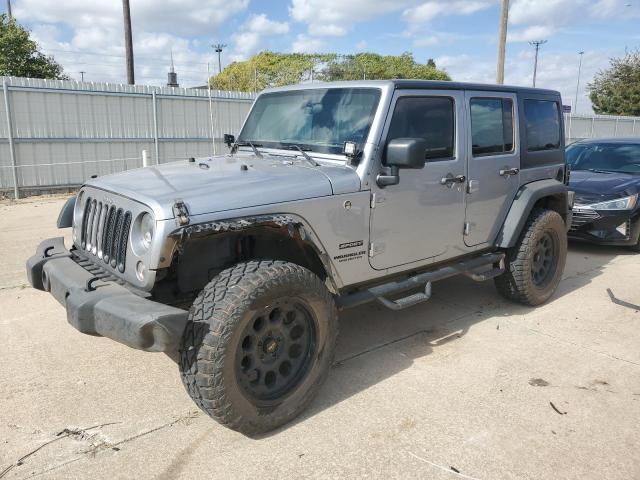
<point x="493" y="163"/>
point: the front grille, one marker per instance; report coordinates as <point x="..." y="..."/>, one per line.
<point x="105" y="232"/>
<point x="582" y="216"/>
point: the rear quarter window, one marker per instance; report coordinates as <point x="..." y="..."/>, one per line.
<point x="542" y="122"/>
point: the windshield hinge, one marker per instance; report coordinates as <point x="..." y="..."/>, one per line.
<point x="181" y="212"/>
<point x="373" y="200"/>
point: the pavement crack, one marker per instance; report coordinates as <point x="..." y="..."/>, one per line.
<point x="66" y="432"/>
<point x="102" y="444"/>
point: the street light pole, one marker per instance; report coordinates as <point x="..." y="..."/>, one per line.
<point x="218" y="49"/>
<point x="9" y="9"/>
<point x="575" y="102"/>
<point x="536" y="44"/>
<point x="502" y="41"/>
<point x="82" y="76"/>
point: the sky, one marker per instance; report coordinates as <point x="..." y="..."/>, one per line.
<point x="460" y="35"/>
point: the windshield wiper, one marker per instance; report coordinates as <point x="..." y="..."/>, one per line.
<point x="293" y="146"/>
<point x="597" y="170"/>
<point x="253" y="146"/>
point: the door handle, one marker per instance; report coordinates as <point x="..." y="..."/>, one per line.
<point x="449" y="180"/>
<point x="509" y="171"/>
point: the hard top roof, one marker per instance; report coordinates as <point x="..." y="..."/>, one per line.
<point x="419" y="84"/>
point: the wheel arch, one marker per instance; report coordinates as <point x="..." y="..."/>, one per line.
<point x="283" y="237"/>
<point x="550" y="194"/>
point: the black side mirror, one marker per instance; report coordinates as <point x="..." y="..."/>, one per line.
<point x="229" y="139"/>
<point x="402" y="153"/>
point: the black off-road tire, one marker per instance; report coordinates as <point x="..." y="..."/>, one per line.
<point x="518" y="283"/>
<point x="213" y="340"/>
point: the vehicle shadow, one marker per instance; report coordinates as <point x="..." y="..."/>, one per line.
<point x="376" y="343"/>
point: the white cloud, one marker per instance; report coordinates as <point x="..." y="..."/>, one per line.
<point x="251" y="37"/>
<point x="361" y="45"/>
<point x="427" y="11"/>
<point x="333" y="17"/>
<point x="535" y="32"/>
<point x="181" y="17"/>
<point x="328" y="30"/>
<point x="306" y="44"/>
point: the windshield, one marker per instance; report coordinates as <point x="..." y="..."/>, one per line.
<point x="319" y="120"/>
<point x="607" y="157"/>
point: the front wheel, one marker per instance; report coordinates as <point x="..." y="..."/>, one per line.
<point x="535" y="264"/>
<point x="259" y="343"/>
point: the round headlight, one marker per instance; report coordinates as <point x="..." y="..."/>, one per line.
<point x="142" y="233"/>
<point x="147" y="227"/>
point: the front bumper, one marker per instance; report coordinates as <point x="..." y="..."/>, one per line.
<point x="605" y="227"/>
<point x="104" y="308"/>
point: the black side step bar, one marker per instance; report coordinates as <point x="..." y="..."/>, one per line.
<point x="423" y="280"/>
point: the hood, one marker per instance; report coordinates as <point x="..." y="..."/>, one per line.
<point x="228" y="182"/>
<point x="595" y="187"/>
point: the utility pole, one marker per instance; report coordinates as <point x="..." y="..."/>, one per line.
<point x="82" y="76"/>
<point x="218" y="49"/>
<point x="575" y="102"/>
<point x="128" y="41"/>
<point x="536" y="44"/>
<point x="502" y="41"/>
<point x="9" y="9"/>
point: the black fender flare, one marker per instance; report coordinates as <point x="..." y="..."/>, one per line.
<point x="65" y="218"/>
<point x="523" y="203"/>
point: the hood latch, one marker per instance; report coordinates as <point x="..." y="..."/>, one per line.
<point x="181" y="213"/>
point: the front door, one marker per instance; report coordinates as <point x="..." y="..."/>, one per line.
<point x="493" y="163"/>
<point x="422" y="217"/>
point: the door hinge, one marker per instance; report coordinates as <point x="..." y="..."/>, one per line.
<point x="466" y="229"/>
<point x="376" y="198"/>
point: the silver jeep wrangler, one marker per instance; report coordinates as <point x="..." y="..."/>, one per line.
<point x="331" y="196"/>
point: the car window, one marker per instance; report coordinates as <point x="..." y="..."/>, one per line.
<point x="430" y="118"/>
<point x="607" y="157"/>
<point x="491" y="126"/>
<point x="542" y="124"/>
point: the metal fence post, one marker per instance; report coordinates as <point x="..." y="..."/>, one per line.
<point x="615" y="129"/>
<point x="12" y="147"/>
<point x="593" y="122"/>
<point x="155" y="127"/>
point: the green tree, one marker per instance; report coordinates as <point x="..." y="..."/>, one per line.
<point x="270" y="69"/>
<point x="616" y="90"/>
<point x="20" y="56"/>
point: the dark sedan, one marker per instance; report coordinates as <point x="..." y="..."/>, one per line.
<point x="605" y="176"/>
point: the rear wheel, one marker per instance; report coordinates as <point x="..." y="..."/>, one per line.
<point x="535" y="264"/>
<point x="258" y="345"/>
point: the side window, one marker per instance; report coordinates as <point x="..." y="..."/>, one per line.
<point x="543" y="125"/>
<point x="491" y="126"/>
<point x="431" y="118"/>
